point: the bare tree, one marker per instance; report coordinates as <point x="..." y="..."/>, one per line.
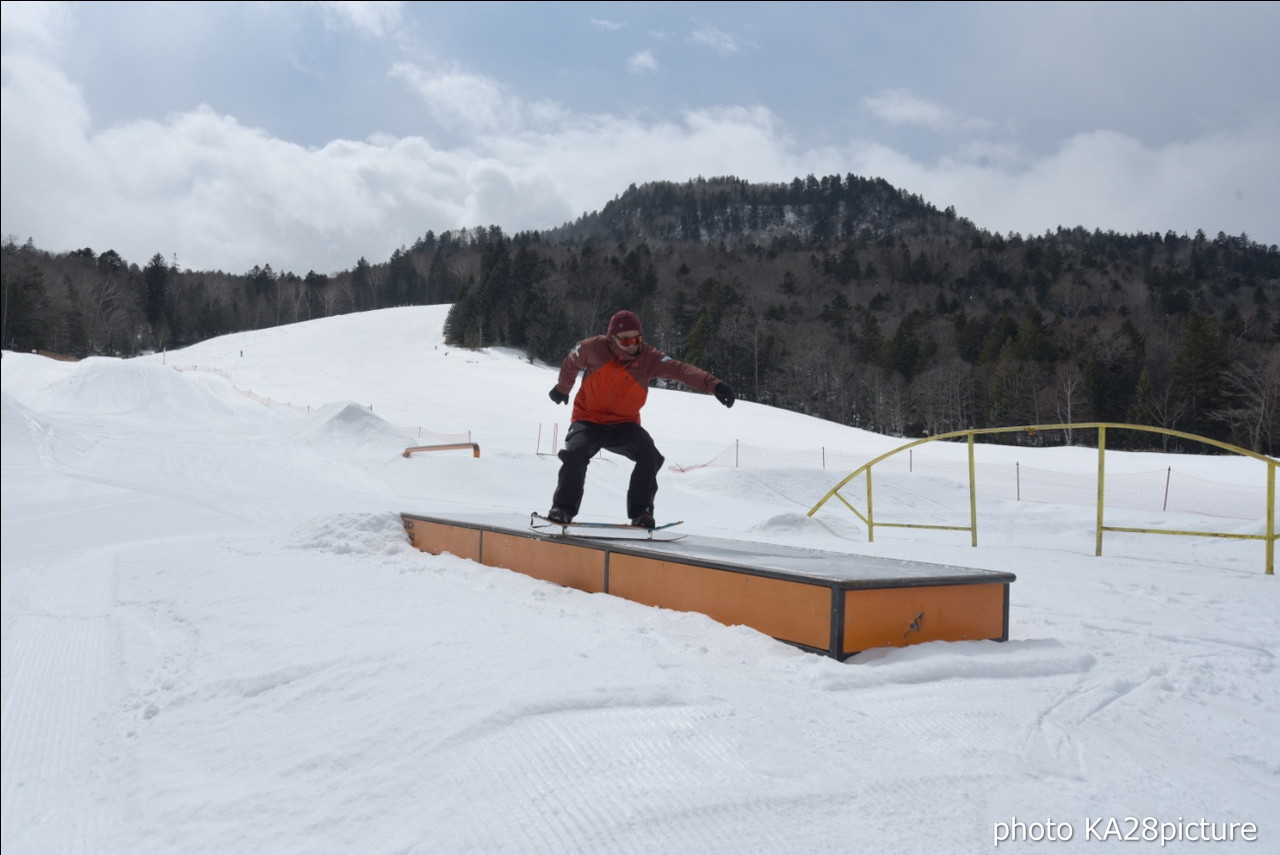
<point x="943" y="396"/>
<point x="886" y="399"/>
<point x="1165" y="410"/>
<point x="1256" y="410"/>
<point x="1075" y="295"/>
<point x="1068" y="380"/>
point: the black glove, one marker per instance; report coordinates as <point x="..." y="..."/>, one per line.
<point x="724" y="394"/>
<point x="558" y="396"/>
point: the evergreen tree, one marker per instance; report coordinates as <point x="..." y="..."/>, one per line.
<point x="23" y="318"/>
<point x="1111" y="371"/>
<point x="1140" y="406"/>
<point x="460" y="323"/>
<point x="404" y="284"/>
<point x="155" y="277"/>
<point x="1198" y="368"/>
<point x="363" y="288"/>
<point x="442" y="283"/>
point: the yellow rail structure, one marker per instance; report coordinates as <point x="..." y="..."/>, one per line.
<point x="1102" y="427"/>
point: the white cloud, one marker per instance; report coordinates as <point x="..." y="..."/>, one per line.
<point x="217" y="194"/>
<point x="500" y="194"/>
<point x="642" y="62"/>
<point x="471" y="103"/>
<point x="718" y="40"/>
<point x="984" y="153"/>
<point x="34" y="25"/>
<point x="602" y="24"/>
<point x="1100" y="179"/>
<point x="901" y="107"/>
<point x="595" y="158"/>
<point x="211" y="191"/>
<point x="371" y="17"/>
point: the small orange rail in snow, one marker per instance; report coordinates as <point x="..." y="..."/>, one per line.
<point x="452" y="446"/>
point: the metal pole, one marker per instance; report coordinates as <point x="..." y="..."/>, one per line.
<point x="1167" y="475"/>
<point x="1271" y="520"/>
<point x="871" y="523"/>
<point x="973" y="498"/>
<point x="1102" y="467"/>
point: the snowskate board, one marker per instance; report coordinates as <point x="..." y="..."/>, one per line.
<point x="599" y="530"/>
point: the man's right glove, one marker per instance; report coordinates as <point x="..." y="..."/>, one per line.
<point x="556" y="395"/>
<point x="724" y="394"/>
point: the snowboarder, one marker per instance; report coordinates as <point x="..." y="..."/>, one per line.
<point x="606" y="412"/>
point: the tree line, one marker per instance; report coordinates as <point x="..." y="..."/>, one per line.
<point x="843" y="298"/>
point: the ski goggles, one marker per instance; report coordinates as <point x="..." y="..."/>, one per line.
<point x="629" y="340"/>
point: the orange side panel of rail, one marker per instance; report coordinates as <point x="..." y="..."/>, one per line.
<point x="562" y="563"/>
<point x="787" y="610"/>
<point x="438" y="538"/>
<point x="897" y="617"/>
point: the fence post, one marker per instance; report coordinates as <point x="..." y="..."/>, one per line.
<point x="1017" y="480"/>
<point x="1271" y="519"/>
<point x="871" y="516"/>
<point x="973" y="497"/>
<point x="1167" y="476"/>
<point x="1102" y="469"/>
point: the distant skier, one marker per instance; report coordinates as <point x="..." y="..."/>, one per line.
<point x="606" y="412"/>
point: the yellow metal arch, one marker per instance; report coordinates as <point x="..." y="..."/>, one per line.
<point x="1102" y="427"/>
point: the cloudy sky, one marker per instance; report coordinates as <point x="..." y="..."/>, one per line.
<point x="308" y="135"/>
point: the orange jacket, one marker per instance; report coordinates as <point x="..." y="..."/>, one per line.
<point x="616" y="385"/>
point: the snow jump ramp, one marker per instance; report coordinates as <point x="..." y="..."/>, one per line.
<point x="826" y="602"/>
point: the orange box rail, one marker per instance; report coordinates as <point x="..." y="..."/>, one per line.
<point x="825" y="602"/>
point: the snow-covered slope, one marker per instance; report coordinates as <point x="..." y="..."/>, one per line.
<point x="216" y="637"/>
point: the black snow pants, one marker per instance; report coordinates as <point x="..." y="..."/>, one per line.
<point x="584" y="441"/>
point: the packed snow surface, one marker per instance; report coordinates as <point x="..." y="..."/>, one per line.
<point x="218" y="639"/>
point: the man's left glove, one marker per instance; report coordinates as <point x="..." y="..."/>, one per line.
<point x="724" y="394"/>
<point x="556" y="395"/>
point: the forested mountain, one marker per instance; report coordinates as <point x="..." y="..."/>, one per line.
<point x="843" y="298"/>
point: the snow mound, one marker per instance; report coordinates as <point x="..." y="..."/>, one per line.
<point x="795" y="523"/>
<point x="963" y="660"/>
<point x="352" y="431"/>
<point x="354" y="534"/>
<point x="121" y="387"/>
